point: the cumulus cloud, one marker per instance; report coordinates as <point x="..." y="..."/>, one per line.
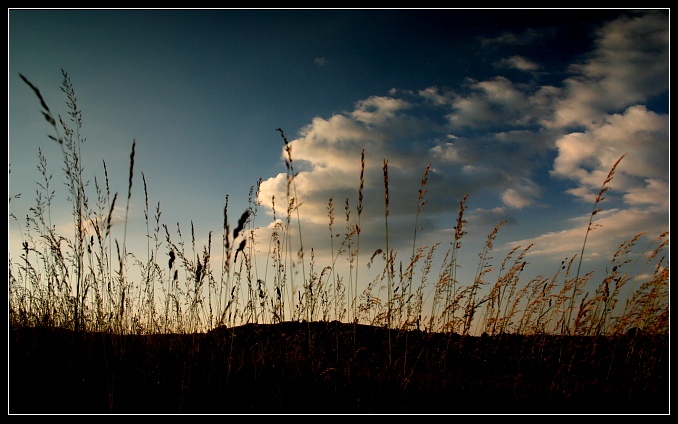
<point x="522" y="194"/>
<point x="433" y="95"/>
<point x="496" y="140"/>
<point x="378" y="110"/>
<point x="327" y="155"/>
<point x="654" y="193"/>
<point x="630" y="63"/>
<point x="491" y="102"/>
<point x="587" y="157"/>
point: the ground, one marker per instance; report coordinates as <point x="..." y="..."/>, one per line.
<point x="334" y="368"/>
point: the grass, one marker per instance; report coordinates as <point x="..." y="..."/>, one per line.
<point x="544" y="345"/>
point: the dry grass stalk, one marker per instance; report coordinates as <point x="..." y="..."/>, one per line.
<point x="599" y="198"/>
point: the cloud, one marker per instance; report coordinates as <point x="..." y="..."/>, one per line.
<point x="497" y="100"/>
<point x="327" y="165"/>
<point x="654" y="193"/>
<point x="528" y="36"/>
<point x="495" y="140"/>
<point x="378" y="110"/>
<point x="586" y="158"/>
<point x="433" y="95"/>
<point x="610" y="231"/>
<point x="518" y="62"/>
<point x="321" y="61"/>
<point x="630" y="63"/>
<point x="521" y="195"/>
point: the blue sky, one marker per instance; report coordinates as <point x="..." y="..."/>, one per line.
<point x="526" y="111"/>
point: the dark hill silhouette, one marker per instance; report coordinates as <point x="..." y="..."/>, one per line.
<point x="332" y="367"/>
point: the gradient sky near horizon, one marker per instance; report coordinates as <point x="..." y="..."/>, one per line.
<point x="524" y="110"/>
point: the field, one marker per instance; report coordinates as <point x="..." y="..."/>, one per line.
<point x="327" y="368"/>
<point x="95" y="329"/>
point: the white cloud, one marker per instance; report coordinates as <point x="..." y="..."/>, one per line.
<point x="491" y="140"/>
<point x="491" y="102"/>
<point x="378" y="110"/>
<point x="629" y="64"/>
<point x="447" y="152"/>
<point x="586" y="158"/>
<point x="611" y="229"/>
<point x="522" y="194"/>
<point x="518" y="62"/>
<point x="654" y="193"/>
<point x="434" y="95"/>
<point x="328" y="154"/>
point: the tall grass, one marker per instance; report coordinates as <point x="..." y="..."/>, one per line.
<point x="86" y="280"/>
<point x="590" y="227"/>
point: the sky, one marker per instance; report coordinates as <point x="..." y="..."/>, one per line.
<point x="525" y="111"/>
